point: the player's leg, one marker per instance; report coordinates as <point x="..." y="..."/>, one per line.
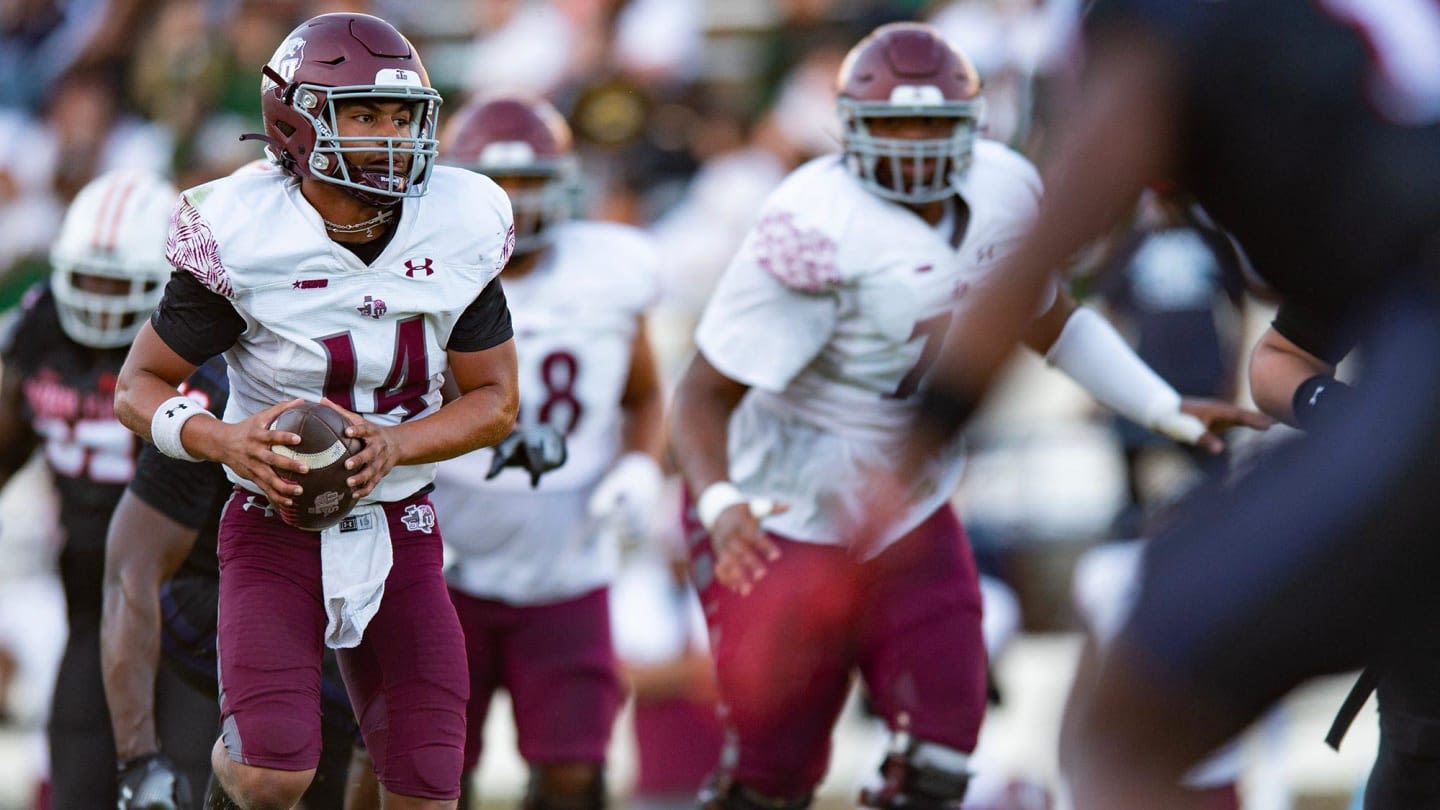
<point x="364" y="789"/>
<point x="82" y="748"/>
<point x="560" y="669"/>
<point x="187" y="721"/>
<point x="339" y="736"/>
<point x="407" y="679"/>
<point x="783" y="657"/>
<point x="484" y="623"/>
<point x="1407" y="764"/>
<point x="922" y="654"/>
<point x="271" y="630"/>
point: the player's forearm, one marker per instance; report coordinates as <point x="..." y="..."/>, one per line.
<point x="129" y="656"/>
<point x="642" y="427"/>
<point x="1277" y="369"/>
<point x="479" y="418"/>
<point x="699" y="437"/>
<point x="138" y="394"/>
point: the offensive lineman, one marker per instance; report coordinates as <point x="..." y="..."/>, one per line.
<point x="532" y="588"/>
<point x="811" y="349"/>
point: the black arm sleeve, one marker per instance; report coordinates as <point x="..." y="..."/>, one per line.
<point x="195" y="322"/>
<point x="485" y="324"/>
<point x="1314" y="329"/>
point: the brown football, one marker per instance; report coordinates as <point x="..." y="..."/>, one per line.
<point x="323" y="448"/>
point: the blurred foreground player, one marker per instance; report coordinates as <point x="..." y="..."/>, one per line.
<point x="1322" y="558"/>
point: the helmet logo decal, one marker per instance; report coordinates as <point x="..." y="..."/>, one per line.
<point x="917" y="94"/>
<point x="504" y="154"/>
<point x="288" y="57"/>
<point x="397" y="77"/>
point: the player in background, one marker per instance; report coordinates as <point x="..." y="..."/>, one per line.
<point x="359" y="274"/>
<point x="531" y="580"/>
<point x="810" y="354"/>
<point x="61" y="363"/>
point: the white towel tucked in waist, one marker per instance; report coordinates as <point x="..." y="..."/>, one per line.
<point x="355" y="559"/>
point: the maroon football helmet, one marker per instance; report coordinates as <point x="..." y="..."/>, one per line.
<point x="522" y="138"/>
<point x="336" y="58"/>
<point x="906" y="70"/>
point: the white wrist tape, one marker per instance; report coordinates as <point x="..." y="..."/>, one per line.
<point x="722" y="495"/>
<point x="716" y="498"/>
<point x="1093" y="354"/>
<point x="169" y="418"/>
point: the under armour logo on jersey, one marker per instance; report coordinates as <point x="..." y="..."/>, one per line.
<point x="373" y="307"/>
<point x="258" y="502"/>
<point x="411" y="267"/>
<point x="985" y="253"/>
<point x="419" y="517"/>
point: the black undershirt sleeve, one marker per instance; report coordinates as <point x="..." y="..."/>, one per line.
<point x="484" y="324"/>
<point x="195" y="322"/>
<point x="1314" y="329"/>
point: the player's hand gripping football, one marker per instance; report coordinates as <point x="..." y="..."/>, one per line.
<point x="376" y="460"/>
<point x="244" y="446"/>
<point x="537" y="449"/>
<point x="1200" y="422"/>
<point x="742" y="549"/>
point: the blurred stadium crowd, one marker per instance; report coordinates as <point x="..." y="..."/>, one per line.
<point x="686" y="114"/>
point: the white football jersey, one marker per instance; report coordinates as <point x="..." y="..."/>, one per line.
<point x="575" y="319"/>
<point x="832" y="311"/>
<point x="319" y="321"/>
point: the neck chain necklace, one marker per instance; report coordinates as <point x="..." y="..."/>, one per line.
<point x="368" y="226"/>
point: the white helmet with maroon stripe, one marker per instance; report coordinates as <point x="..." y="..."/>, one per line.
<point x="108" y="264"/>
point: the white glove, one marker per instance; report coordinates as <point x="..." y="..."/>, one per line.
<point x="626" y="498"/>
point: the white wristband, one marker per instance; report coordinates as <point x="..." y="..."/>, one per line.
<point x="169" y="418"/>
<point x="722" y="495"/>
<point x="716" y="498"/>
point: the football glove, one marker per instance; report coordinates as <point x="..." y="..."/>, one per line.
<point x="535" y="448"/>
<point x="627" y="496"/>
<point x="151" y="782"/>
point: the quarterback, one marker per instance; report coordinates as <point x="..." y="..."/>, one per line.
<point x="359" y="274"/>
